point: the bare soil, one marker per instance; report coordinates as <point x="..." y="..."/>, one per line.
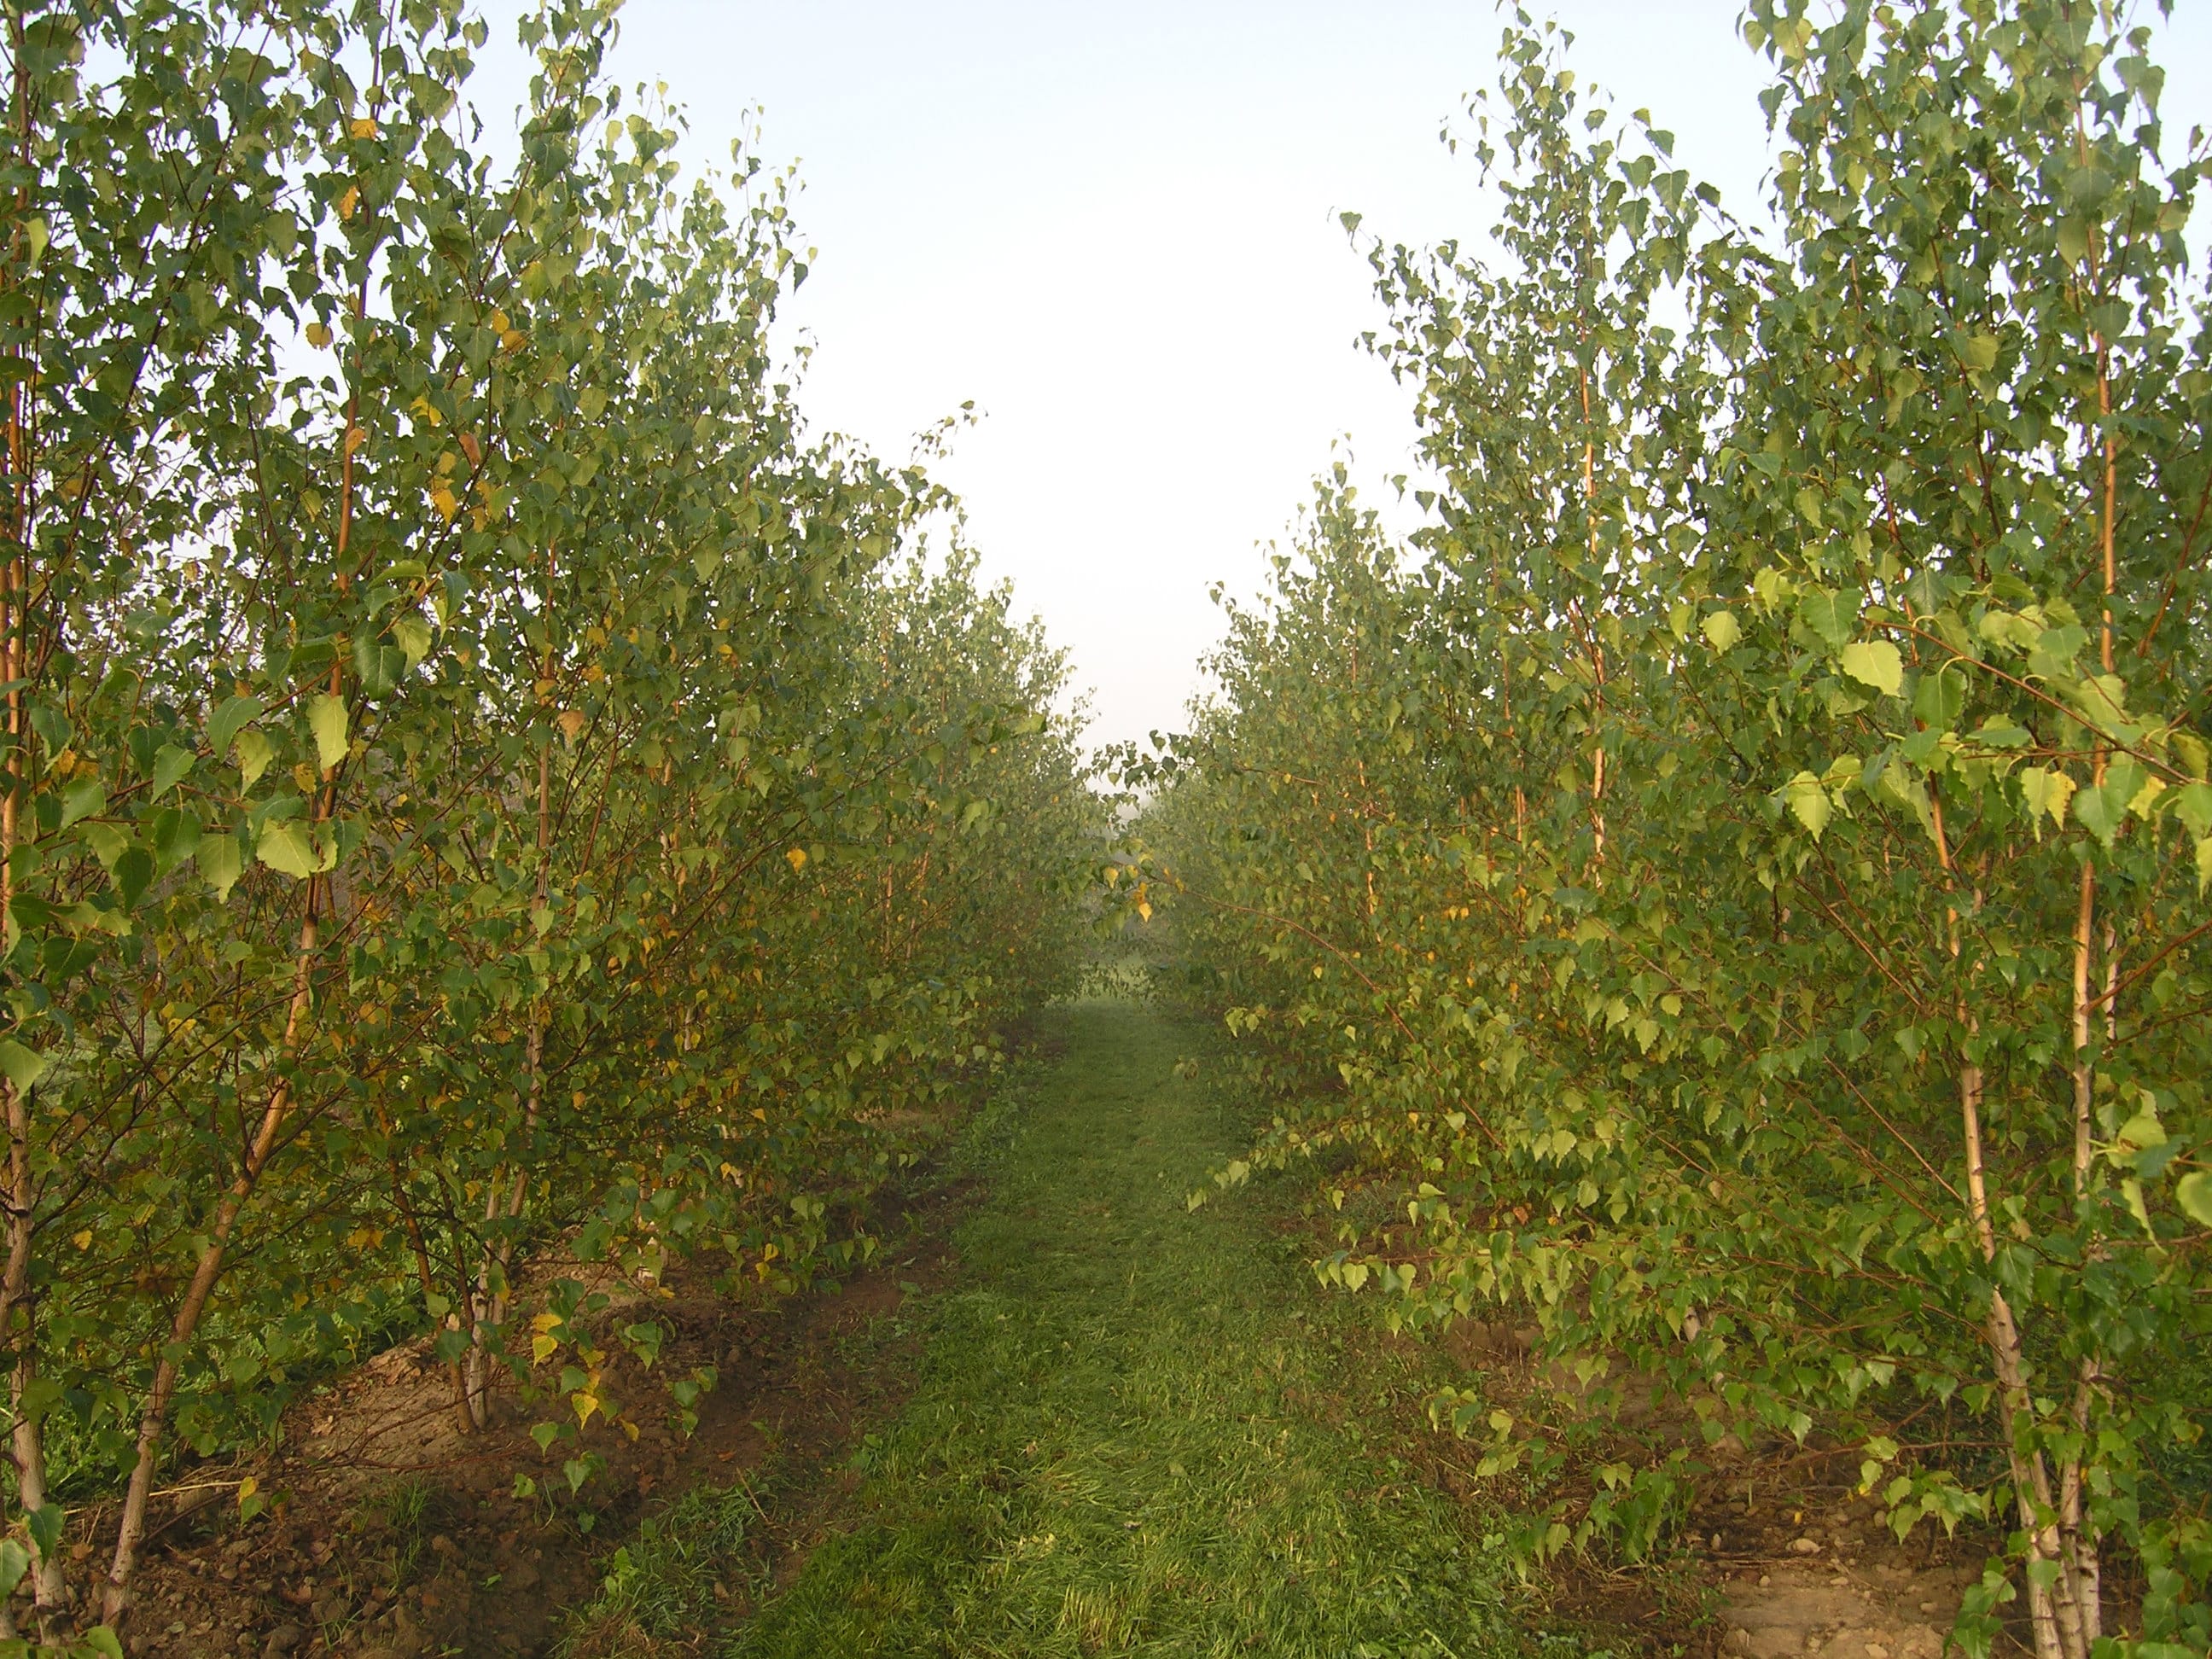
<point x="394" y="1535"/>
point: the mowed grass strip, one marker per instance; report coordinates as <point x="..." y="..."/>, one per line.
<point x="1136" y="1431"/>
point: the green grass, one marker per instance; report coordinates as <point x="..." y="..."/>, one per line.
<point x="1138" y="1429"/>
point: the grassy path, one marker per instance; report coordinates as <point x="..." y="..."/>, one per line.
<point x="1132" y="1432"/>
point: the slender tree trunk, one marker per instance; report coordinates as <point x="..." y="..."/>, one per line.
<point x="2031" y="1476"/>
<point x="2079" y="1588"/>
<point x="154" y="1421"/>
<point x="18" y="1312"/>
<point x="504" y="1203"/>
<point x="1597" y="650"/>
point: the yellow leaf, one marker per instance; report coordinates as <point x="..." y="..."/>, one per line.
<point x="514" y="340"/>
<point x="1876" y="663"/>
<point x="573" y="720"/>
<point x="1809" y="802"/>
<point x="443" y="500"/>
<point x="355" y="438"/>
<point x="1145" y="909"/>
<point x="363" y="127"/>
<point x="542" y="1347"/>
<point x="327" y="718"/>
<point x="350" y="201"/>
<point x="798" y="857"/>
<point x="317" y="336"/>
<point x="82" y="1240"/>
<point x="584" y="1404"/>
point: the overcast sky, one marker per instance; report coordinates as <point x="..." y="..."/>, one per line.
<point x="1115" y="229"/>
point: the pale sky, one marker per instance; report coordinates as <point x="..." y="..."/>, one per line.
<point x="1114" y="230"/>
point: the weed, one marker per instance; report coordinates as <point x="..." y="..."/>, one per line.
<point x="666" y="1582"/>
<point x="1122" y="1439"/>
<point x="406" y="1513"/>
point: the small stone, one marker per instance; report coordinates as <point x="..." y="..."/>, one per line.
<point x="1927" y="1606"/>
<point x="1804" y="1547"/>
<point x="1875" y="1650"/>
<point x="1764" y="1579"/>
<point x="284" y="1639"/>
<point x="1716" y="1543"/>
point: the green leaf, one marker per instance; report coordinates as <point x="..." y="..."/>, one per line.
<point x="2102" y="808"/>
<point x="1940" y="697"/>
<point x="102" y="1641"/>
<point x="82" y="799"/>
<point x="1808" y="803"/>
<point x="22" y="1067"/>
<point x="2052" y="652"/>
<point x="170" y="766"/>
<point x="288" y="848"/>
<point x="2100" y="812"/>
<point x="132" y="873"/>
<point x="254" y="751"/>
<point x="1876" y="663"/>
<point x="1834" y="617"/>
<point x="412" y="635"/>
<point x="1721" y="630"/>
<point x="380" y="666"/>
<point x="176" y="836"/>
<point x="228" y="721"/>
<point x="2127" y="778"/>
<point x="2101" y="699"/>
<point x="2144" y="1129"/>
<point x="2192" y="805"/>
<point x="2192" y="753"/>
<point x="14" y="1562"/>
<point x="221" y="862"/>
<point x="326" y="718"/>
<point x="2193" y="1192"/>
<point x="45" y="1525"/>
<point x="106" y="841"/>
<point x="2045" y="790"/>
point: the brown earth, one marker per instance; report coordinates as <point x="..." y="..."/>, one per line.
<point x="393" y="1534"/>
<point x="1776" y="1558"/>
